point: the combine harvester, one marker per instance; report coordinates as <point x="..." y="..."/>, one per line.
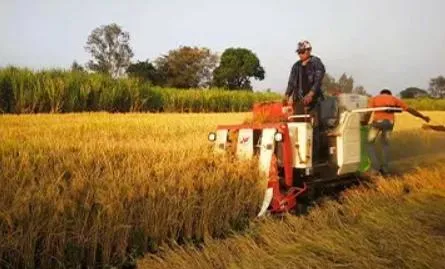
<point x="282" y="143"/>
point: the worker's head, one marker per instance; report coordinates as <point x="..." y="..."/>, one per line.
<point x="304" y="50"/>
<point x="386" y="91"/>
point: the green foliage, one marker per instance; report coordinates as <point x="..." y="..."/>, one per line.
<point x="328" y="83"/>
<point x="426" y="104"/>
<point x="186" y="67"/>
<point x="109" y="46"/>
<point x="346" y="83"/>
<point x="145" y="71"/>
<point x="413" y="92"/>
<point x="53" y="91"/>
<point x="213" y="100"/>
<point x="25" y="91"/>
<point x="360" y="90"/>
<point x="76" y="67"/>
<point x="437" y="87"/>
<point x="237" y="67"/>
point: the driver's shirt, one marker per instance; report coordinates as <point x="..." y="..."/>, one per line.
<point x="385" y="100"/>
<point x="305" y="80"/>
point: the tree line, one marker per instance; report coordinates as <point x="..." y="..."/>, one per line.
<point x="184" y="67"/>
<point x="345" y="84"/>
<point x="436" y="89"/>
<point x="198" y="67"/>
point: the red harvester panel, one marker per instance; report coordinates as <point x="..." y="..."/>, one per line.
<point x="270" y="112"/>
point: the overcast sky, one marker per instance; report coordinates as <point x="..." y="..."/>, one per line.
<point x="381" y="43"/>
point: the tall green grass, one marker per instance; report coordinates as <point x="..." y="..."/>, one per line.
<point x="57" y="91"/>
<point x="26" y="91"/>
<point x="426" y="104"/>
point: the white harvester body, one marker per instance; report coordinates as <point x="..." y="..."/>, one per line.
<point x="285" y="149"/>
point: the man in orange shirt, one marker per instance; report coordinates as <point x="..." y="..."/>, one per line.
<point x="382" y="124"/>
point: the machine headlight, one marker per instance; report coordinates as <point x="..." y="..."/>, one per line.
<point x="278" y="137"/>
<point x="212" y="137"/>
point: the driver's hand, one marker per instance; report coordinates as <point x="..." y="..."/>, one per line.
<point x="287" y="101"/>
<point x="426" y="118"/>
<point x="307" y="99"/>
<point x="284" y="100"/>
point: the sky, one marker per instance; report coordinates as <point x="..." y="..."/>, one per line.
<point x="381" y="43"/>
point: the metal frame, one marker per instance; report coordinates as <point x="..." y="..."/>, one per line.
<point x="373" y="109"/>
<point x="281" y="201"/>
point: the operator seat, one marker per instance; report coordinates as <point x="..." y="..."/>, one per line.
<point x="329" y="113"/>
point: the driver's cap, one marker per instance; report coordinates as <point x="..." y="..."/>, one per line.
<point x="304" y="45"/>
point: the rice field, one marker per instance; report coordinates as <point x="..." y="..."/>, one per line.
<point x="99" y="190"/>
<point x="90" y="189"/>
<point x="395" y="223"/>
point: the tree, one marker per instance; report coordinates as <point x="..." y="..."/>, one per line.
<point x="360" y="90"/>
<point x="345" y="83"/>
<point x="413" y="92"/>
<point x="145" y="71"/>
<point x="237" y="67"/>
<point x="76" y="67"/>
<point x="437" y="87"/>
<point x="110" y="49"/>
<point x="187" y="67"/>
<point x="329" y="84"/>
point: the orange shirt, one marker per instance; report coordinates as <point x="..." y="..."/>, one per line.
<point x="385" y="100"/>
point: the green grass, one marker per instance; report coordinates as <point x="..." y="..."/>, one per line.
<point x="27" y="91"/>
<point x="426" y="104"/>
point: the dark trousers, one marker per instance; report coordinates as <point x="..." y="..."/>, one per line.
<point x="314" y="111"/>
<point x="383" y="129"/>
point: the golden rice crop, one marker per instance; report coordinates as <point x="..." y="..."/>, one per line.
<point x="396" y="223"/>
<point x="91" y="190"/>
<point x="392" y="223"/>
